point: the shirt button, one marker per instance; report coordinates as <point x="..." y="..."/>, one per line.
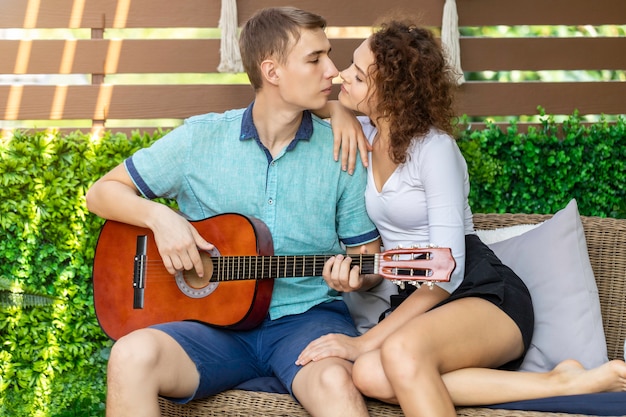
<point x="270" y="201"/>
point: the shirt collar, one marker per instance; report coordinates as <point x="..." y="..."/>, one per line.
<point x="248" y="130"/>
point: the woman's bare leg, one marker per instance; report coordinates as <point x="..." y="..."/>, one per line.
<point x="481" y="386"/>
<point x="469" y="332"/>
<point x="476" y="386"/>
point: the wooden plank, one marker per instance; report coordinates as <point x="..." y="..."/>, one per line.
<point x="535" y="54"/>
<point x="505" y="99"/>
<point x="180" y="101"/>
<point x="205" y="13"/>
<point x="35" y="102"/>
<point x="351" y="13"/>
<point x="108" y="14"/>
<point x="541" y="12"/>
<point x="100" y="56"/>
<point x="189" y="13"/>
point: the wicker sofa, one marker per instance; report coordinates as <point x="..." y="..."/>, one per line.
<point x="606" y="241"/>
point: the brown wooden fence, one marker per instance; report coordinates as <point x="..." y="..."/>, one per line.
<point x="98" y="102"/>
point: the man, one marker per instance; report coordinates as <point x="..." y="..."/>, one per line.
<point x="272" y="161"/>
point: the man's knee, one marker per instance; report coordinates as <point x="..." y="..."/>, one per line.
<point x="336" y="377"/>
<point x="134" y="352"/>
<point x="327" y="378"/>
<point x="325" y="388"/>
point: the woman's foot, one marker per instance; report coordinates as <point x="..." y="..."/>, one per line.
<point x="608" y="377"/>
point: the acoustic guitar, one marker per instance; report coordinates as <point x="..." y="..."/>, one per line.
<point x="132" y="288"/>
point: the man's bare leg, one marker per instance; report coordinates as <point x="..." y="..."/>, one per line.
<point x="143" y="365"/>
<point x="325" y="389"/>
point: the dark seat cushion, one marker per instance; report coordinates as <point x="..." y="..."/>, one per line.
<point x="602" y="404"/>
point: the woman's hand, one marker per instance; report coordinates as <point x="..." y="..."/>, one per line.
<point x="336" y="345"/>
<point x="349" y="137"/>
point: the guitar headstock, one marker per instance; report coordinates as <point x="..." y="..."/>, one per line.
<point x="417" y="265"/>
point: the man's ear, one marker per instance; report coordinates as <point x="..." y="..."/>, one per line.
<point x="270" y="72"/>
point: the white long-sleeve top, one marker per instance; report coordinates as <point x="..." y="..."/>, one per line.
<point x="425" y="200"/>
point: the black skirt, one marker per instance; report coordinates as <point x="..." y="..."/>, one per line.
<point x="488" y="278"/>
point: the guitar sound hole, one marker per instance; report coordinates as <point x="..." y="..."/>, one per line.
<point x="195" y="286"/>
<point x="192" y="278"/>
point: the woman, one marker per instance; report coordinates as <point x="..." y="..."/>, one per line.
<point x="452" y="344"/>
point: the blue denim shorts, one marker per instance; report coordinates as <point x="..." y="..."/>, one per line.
<point x="225" y="358"/>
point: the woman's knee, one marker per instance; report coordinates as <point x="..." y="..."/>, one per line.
<point x="361" y="375"/>
<point x="403" y="355"/>
<point x="369" y="378"/>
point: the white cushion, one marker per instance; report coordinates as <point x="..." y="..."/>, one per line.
<point x="552" y="260"/>
<point x="489" y="236"/>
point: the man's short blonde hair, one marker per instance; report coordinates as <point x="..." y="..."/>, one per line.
<point x="272" y="32"/>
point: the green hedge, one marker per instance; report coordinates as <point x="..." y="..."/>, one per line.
<point x="541" y="170"/>
<point x="53" y="357"/>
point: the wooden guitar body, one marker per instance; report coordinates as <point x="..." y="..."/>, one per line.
<point x="234" y="304"/>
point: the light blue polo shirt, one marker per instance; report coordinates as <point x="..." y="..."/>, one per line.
<point x="215" y="163"/>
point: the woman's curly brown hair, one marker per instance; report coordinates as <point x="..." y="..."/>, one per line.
<point x="413" y="85"/>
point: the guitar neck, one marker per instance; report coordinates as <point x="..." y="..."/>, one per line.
<point x="232" y="268"/>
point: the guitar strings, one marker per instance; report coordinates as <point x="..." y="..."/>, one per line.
<point x="251" y="267"/>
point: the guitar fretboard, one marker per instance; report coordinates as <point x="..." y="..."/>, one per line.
<point x="230" y="268"/>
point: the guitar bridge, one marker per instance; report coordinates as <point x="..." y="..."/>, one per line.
<point x="139" y="272"/>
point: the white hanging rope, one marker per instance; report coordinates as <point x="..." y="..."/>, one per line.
<point x="450" y="38"/>
<point x="230" y="58"/>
